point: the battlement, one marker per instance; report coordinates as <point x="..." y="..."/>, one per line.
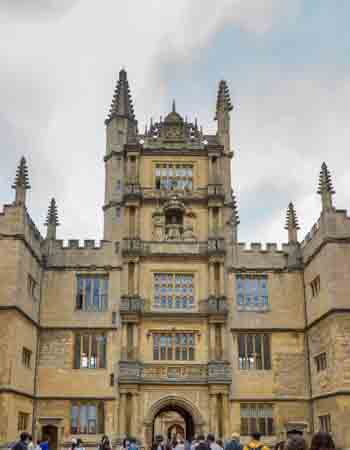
<point x="78" y="244"/>
<point x="82" y="253"/>
<point x="257" y="255"/>
<point x="334" y="224"/>
<point x="268" y="247"/>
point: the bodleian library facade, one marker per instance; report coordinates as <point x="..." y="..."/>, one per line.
<point x="170" y="324"/>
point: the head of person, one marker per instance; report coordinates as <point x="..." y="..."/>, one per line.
<point x="79" y="442"/>
<point x="322" y="441"/>
<point x="210" y="437"/>
<point x="200" y="438"/>
<point x="294" y="432"/>
<point x="30" y="438"/>
<point x="74" y="443"/>
<point x="38" y="442"/>
<point x="24" y="437"/>
<point x="219" y="442"/>
<point x="256" y="436"/>
<point x="295" y="442"/>
<point x="235" y="436"/>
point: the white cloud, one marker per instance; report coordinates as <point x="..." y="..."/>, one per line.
<point x="56" y="84"/>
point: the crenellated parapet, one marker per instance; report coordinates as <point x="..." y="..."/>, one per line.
<point x="87" y="253"/>
<point x="333" y="225"/>
<point x="259" y="256"/>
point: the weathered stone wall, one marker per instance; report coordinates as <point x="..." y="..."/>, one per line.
<point x="57" y="376"/>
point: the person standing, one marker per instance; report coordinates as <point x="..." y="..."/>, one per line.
<point x="105" y="443"/>
<point x="23" y="442"/>
<point x="234" y="443"/>
<point x="211" y="442"/>
<point x="255" y="443"/>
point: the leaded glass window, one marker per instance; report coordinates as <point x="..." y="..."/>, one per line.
<point x="92" y="293"/>
<point x="254" y="352"/>
<point x="90" y="351"/>
<point x="87" y="417"/>
<point x="173" y="291"/>
<point x="173" y="177"/>
<point x="173" y="346"/>
<point x="257" y="417"/>
<point x="251" y="292"/>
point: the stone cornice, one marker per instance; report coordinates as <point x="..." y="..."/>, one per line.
<point x="77" y="267"/>
<point x="326" y="241"/>
<point x="21" y="312"/>
<point x="327" y="314"/>
<point x="332" y="394"/>
<point x="8" y="390"/>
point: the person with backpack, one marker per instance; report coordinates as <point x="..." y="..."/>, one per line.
<point x="234" y="443"/>
<point x="322" y="441"/>
<point x="105" y="443"/>
<point x="255" y="443"/>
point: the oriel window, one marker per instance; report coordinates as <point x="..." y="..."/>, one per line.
<point x="173" y="346"/>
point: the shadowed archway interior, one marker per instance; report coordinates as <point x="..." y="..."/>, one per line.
<point x="187" y="417"/>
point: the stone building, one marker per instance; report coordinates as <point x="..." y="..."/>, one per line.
<point x="170" y="316"/>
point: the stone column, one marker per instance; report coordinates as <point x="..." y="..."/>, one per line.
<point x="213" y="413"/>
<point x="122" y="415"/>
<point x="124" y="340"/>
<point x="137" y="222"/>
<point x="222" y="281"/>
<point x="135" y="410"/>
<point x="136" y="341"/>
<point x="225" y="416"/>
<point x="211" y="279"/>
<point x="136" y="278"/>
<point x="223" y="342"/>
<point x="212" y="342"/>
<point x="210" y="221"/>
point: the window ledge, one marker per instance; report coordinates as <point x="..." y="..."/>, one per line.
<point x="261" y="309"/>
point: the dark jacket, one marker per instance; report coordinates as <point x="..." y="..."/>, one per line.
<point x="233" y="445"/>
<point x="20" y="445"/>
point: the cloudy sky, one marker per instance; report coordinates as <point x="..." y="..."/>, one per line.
<point x="286" y="62"/>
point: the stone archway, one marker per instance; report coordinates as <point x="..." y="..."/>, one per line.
<point x="190" y="413"/>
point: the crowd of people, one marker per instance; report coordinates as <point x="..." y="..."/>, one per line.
<point x="294" y="441"/>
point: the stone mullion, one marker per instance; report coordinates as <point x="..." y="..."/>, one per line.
<point x="136" y="278"/>
<point x="136" y="341"/>
<point x="211" y="279"/>
<point x="223" y="343"/>
<point x="212" y="341"/>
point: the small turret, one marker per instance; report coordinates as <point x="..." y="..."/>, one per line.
<point x="292" y="224"/>
<point x="52" y="220"/>
<point x="21" y="183"/>
<point x="325" y="188"/>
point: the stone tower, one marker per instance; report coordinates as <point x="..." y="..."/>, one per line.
<point x="170" y="324"/>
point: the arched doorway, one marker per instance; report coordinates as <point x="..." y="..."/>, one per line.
<point x="190" y="421"/>
<point x="50" y="434"/>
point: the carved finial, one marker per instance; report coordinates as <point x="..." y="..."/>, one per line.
<point x="223" y="103"/>
<point x="174" y="107"/>
<point x="52" y="220"/>
<point x="122" y="105"/>
<point x="292" y="224"/>
<point x="21" y="183"/>
<point x="325" y="188"/>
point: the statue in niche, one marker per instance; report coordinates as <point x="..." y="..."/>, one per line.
<point x="173" y="230"/>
